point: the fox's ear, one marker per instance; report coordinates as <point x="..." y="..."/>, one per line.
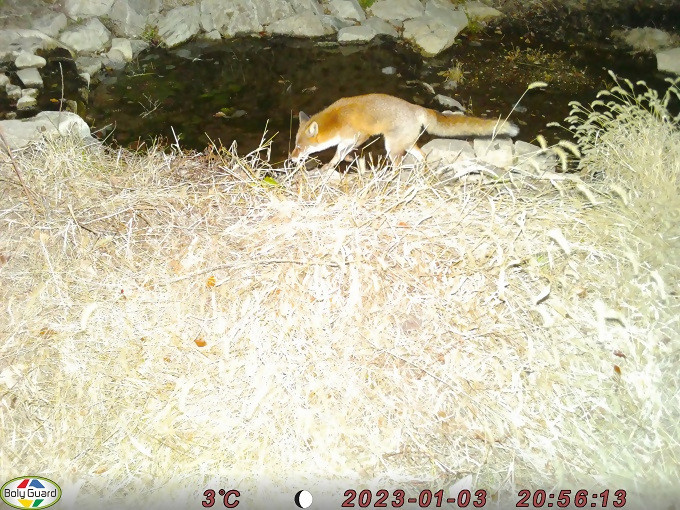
<point x="303" y="117"/>
<point x="312" y="129"/>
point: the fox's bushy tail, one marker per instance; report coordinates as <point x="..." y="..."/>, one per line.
<point x="440" y="124"/>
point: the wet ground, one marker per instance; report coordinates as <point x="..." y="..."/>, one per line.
<point x="234" y="90"/>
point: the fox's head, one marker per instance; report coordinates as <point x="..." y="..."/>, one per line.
<point x="306" y="138"/>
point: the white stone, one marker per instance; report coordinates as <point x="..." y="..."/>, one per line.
<point x="26" y="102"/>
<point x="137" y="46"/>
<point x="531" y="158"/>
<point x="4" y="80"/>
<point x="30" y="77"/>
<point x="13" y="91"/>
<point x="87" y="8"/>
<point x="449" y="102"/>
<point x="305" y="24"/>
<point x="447" y="151"/>
<point x="356" y="34"/>
<point x="51" y="24"/>
<point x="26" y="59"/>
<point x="669" y="60"/>
<point x="20" y="133"/>
<point x="347" y="9"/>
<point x="397" y="10"/>
<point x="380" y="26"/>
<point x="91" y="36"/>
<point x="480" y="11"/>
<point x="127" y="21"/>
<point x="145" y="7"/>
<point x="497" y="151"/>
<point x="436" y="30"/>
<point x="179" y="25"/>
<point x="12" y="41"/>
<point x="123" y="46"/>
<point x="30" y="93"/>
<point x="89" y="65"/>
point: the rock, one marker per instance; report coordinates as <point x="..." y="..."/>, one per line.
<point x="497" y="151"/>
<point x="19" y="133"/>
<point x="126" y="20"/>
<point x="51" y="24"/>
<point x="89" y="37"/>
<point x="28" y="99"/>
<point x="305" y="24"/>
<point x="30" y="77"/>
<point x="669" y="60"/>
<point x="335" y="24"/>
<point x="531" y="158"/>
<point x="449" y="102"/>
<point x="26" y="59"/>
<point x="397" y="11"/>
<point x="481" y="12"/>
<point x="436" y="30"/>
<point x="26" y="103"/>
<point x="447" y="151"/>
<point x="347" y="9"/>
<point x="179" y="25"/>
<point x="366" y="31"/>
<point x="4" y="80"/>
<point x="13" y="91"/>
<point x="380" y="26"/>
<point x="645" y="39"/>
<point x="145" y="7"/>
<point x="137" y="46"/>
<point x="87" y="8"/>
<point x="121" y="46"/>
<point x="238" y="16"/>
<point x="389" y="70"/>
<point x="89" y="65"/>
<point x="213" y="35"/>
<point x="13" y="41"/>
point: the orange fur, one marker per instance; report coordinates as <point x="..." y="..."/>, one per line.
<point x="351" y="121"/>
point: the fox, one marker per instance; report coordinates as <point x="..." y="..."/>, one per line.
<point x="350" y="121"/>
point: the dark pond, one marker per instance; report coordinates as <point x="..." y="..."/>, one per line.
<point x="233" y="90"/>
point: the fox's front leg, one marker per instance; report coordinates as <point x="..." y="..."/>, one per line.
<point x="340" y="153"/>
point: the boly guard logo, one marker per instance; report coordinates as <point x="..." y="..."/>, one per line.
<point x="30" y="492"/>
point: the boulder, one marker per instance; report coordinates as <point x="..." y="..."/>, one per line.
<point x="4" y="80"/>
<point x="90" y="37"/>
<point x="645" y="38"/>
<point x="15" y="40"/>
<point x="304" y="24"/>
<point x="232" y="18"/>
<point x="496" y="151"/>
<point x="397" y="11"/>
<point x="25" y="59"/>
<point x="480" y="11"/>
<point x="179" y="25"/>
<point x="13" y="91"/>
<point x="365" y="32"/>
<point x="87" y="8"/>
<point x="669" y="60"/>
<point x="28" y="99"/>
<point x="89" y="65"/>
<point x="19" y="133"/>
<point x="51" y="24"/>
<point x="447" y="151"/>
<point x="346" y="9"/>
<point x="531" y="158"/>
<point x="30" y="77"/>
<point x="126" y="20"/>
<point x="122" y="46"/>
<point x="436" y="30"/>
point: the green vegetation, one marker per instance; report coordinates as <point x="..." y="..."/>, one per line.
<point x="365" y="4"/>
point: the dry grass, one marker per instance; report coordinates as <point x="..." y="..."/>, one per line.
<point x="173" y="323"/>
